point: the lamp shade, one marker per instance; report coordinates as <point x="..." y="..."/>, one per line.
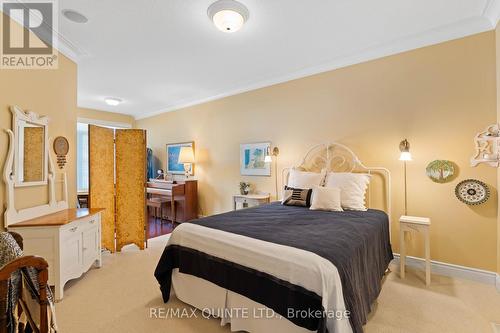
<point x="404" y="148"/>
<point x="405" y="156"/>
<point x="186" y="155"/>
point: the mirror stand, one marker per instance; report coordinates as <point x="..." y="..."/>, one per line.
<point x="12" y="180"/>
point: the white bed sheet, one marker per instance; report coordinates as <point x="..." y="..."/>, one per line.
<point x="299" y="267"/>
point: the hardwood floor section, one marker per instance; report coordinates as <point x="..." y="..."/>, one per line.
<point x="157" y="228"/>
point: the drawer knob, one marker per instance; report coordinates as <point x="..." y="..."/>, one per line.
<point x="92" y="221"/>
<point x="73" y="229"/>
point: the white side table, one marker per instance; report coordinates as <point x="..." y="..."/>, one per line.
<point x="411" y="224"/>
<point x="250" y="200"/>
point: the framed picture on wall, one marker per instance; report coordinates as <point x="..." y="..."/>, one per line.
<point x="173" y="151"/>
<point x="252" y="157"/>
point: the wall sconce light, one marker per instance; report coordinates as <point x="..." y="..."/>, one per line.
<point x="269" y="159"/>
<point x="404" y="148"/>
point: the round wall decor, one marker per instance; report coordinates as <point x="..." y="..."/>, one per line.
<point x="440" y="171"/>
<point x="472" y="192"/>
<point x="61" y="148"/>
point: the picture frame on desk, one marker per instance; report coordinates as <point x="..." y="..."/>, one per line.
<point x="173" y="151"/>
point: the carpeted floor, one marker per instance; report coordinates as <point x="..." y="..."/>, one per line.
<point x="118" y="298"/>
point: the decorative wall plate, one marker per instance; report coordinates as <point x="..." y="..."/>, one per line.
<point x="61" y="148"/>
<point x="472" y="192"/>
<point x="440" y="171"/>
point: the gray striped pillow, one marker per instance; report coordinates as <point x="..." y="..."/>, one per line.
<point x="296" y="197"/>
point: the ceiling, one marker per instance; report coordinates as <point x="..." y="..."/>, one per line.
<point x="161" y="55"/>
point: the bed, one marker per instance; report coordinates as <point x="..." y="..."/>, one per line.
<point x="283" y="268"/>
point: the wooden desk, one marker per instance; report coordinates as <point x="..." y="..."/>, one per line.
<point x="183" y="196"/>
<point x="83" y="199"/>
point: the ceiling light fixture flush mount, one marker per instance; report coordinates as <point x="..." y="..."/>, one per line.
<point x="228" y="15"/>
<point x="112" y="101"/>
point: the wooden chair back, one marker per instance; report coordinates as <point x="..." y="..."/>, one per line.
<point x="41" y="266"/>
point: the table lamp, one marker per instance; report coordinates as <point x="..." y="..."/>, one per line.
<point x="186" y="157"/>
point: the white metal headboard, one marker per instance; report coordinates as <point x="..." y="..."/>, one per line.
<point x="335" y="157"/>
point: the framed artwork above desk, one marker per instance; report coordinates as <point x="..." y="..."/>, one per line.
<point x="173" y="151"/>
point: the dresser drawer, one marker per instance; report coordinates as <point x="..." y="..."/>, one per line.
<point x="78" y="227"/>
<point x="247" y="201"/>
<point x="70" y="230"/>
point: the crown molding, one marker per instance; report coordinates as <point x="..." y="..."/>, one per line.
<point x="68" y="48"/>
<point x="460" y="29"/>
<point x="62" y="45"/>
<point x="99" y="122"/>
<point x="492" y="12"/>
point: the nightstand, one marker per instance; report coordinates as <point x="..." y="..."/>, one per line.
<point x="411" y="224"/>
<point x="250" y="200"/>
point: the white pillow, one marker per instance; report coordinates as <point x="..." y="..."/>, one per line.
<point x="304" y="180"/>
<point x="352" y="188"/>
<point x="326" y="198"/>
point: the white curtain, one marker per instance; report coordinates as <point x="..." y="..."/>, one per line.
<point x="82" y="155"/>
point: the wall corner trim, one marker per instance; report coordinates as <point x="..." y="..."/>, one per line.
<point x="455" y="271"/>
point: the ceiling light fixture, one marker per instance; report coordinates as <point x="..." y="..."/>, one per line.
<point x="228" y="15"/>
<point x="74" y="16"/>
<point x="112" y="101"/>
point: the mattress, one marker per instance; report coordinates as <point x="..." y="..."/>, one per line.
<point x="320" y="270"/>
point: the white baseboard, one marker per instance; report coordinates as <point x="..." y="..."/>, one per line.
<point x="452" y="270"/>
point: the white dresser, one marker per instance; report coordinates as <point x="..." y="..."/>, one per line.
<point x="70" y="241"/>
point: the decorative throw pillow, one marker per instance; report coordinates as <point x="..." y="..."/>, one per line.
<point x="326" y="198"/>
<point x="296" y="197"/>
<point x="352" y="186"/>
<point x="304" y="179"/>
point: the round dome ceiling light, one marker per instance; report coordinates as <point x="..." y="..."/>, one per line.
<point x="228" y="15"/>
<point x="74" y="16"/>
<point x="112" y="101"/>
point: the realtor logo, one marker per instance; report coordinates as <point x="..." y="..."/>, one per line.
<point x="28" y="40"/>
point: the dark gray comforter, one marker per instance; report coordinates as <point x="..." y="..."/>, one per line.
<point x="357" y="243"/>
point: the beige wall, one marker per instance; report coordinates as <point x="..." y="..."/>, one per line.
<point x="105" y="116"/>
<point x="438" y="97"/>
<point x="46" y="92"/>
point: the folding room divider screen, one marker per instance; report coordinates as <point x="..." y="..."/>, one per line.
<point x="118" y="157"/>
